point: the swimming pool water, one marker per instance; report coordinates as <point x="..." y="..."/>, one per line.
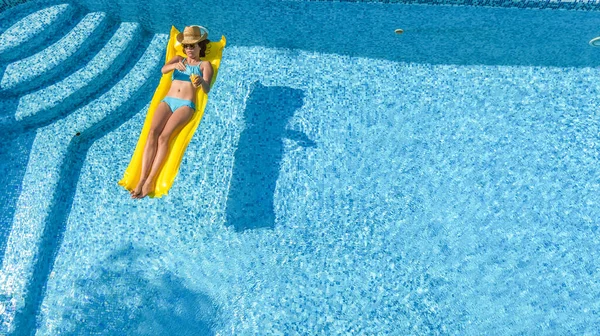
<point x="325" y="192"/>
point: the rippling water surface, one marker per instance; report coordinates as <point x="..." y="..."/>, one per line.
<point x="345" y="179"/>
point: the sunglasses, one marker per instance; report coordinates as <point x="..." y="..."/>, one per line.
<point x="189" y="46"/>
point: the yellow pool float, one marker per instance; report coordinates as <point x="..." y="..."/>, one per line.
<point x="179" y="143"/>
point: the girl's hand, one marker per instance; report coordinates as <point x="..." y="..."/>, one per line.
<point x="198" y="81"/>
<point x="180" y="66"/>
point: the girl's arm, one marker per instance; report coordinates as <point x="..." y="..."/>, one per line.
<point x="174" y="63"/>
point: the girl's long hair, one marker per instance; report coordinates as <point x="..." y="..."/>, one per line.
<point x="203" y="44"/>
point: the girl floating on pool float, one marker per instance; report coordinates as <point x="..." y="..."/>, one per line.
<point x="155" y="162"/>
<point x="177" y="108"/>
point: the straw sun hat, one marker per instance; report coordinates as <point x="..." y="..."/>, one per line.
<point x="192" y="34"/>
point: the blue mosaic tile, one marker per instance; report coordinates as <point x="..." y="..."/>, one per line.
<point x="48" y="154"/>
<point x="540" y="4"/>
<point x="83" y="82"/>
<point x="37" y="68"/>
<point x="446" y="187"/>
<point x="31" y="25"/>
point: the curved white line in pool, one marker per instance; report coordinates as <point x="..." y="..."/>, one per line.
<point x="595" y="42"/>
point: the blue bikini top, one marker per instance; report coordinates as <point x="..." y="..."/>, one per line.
<point x="185" y="75"/>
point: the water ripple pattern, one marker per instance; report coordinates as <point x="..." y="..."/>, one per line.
<point x="343" y="181"/>
<point x="47" y="154"/>
<point x="29" y="68"/>
<point x="29" y="26"/>
<point x="553" y="4"/>
<point x="37" y="102"/>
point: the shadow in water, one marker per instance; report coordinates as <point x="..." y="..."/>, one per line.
<point x="49" y="34"/>
<point x="62" y="201"/>
<point x="15" y="146"/>
<point x="14" y="157"/>
<point x="16" y="138"/>
<point x="462" y="35"/>
<point x="258" y="155"/>
<point x="119" y="299"/>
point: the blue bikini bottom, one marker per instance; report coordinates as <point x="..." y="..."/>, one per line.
<point x="175" y="103"/>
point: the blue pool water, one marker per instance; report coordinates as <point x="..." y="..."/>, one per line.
<point x="344" y="179"/>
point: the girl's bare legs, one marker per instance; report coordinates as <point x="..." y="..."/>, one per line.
<point x="180" y="117"/>
<point x="159" y="120"/>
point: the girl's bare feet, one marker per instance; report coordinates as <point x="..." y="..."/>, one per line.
<point x="146" y="188"/>
<point x="135" y="193"/>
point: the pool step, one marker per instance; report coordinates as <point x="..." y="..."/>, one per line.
<point x="41" y="67"/>
<point x="9" y="14"/>
<point x="19" y="295"/>
<point x="21" y="36"/>
<point x="64" y="96"/>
